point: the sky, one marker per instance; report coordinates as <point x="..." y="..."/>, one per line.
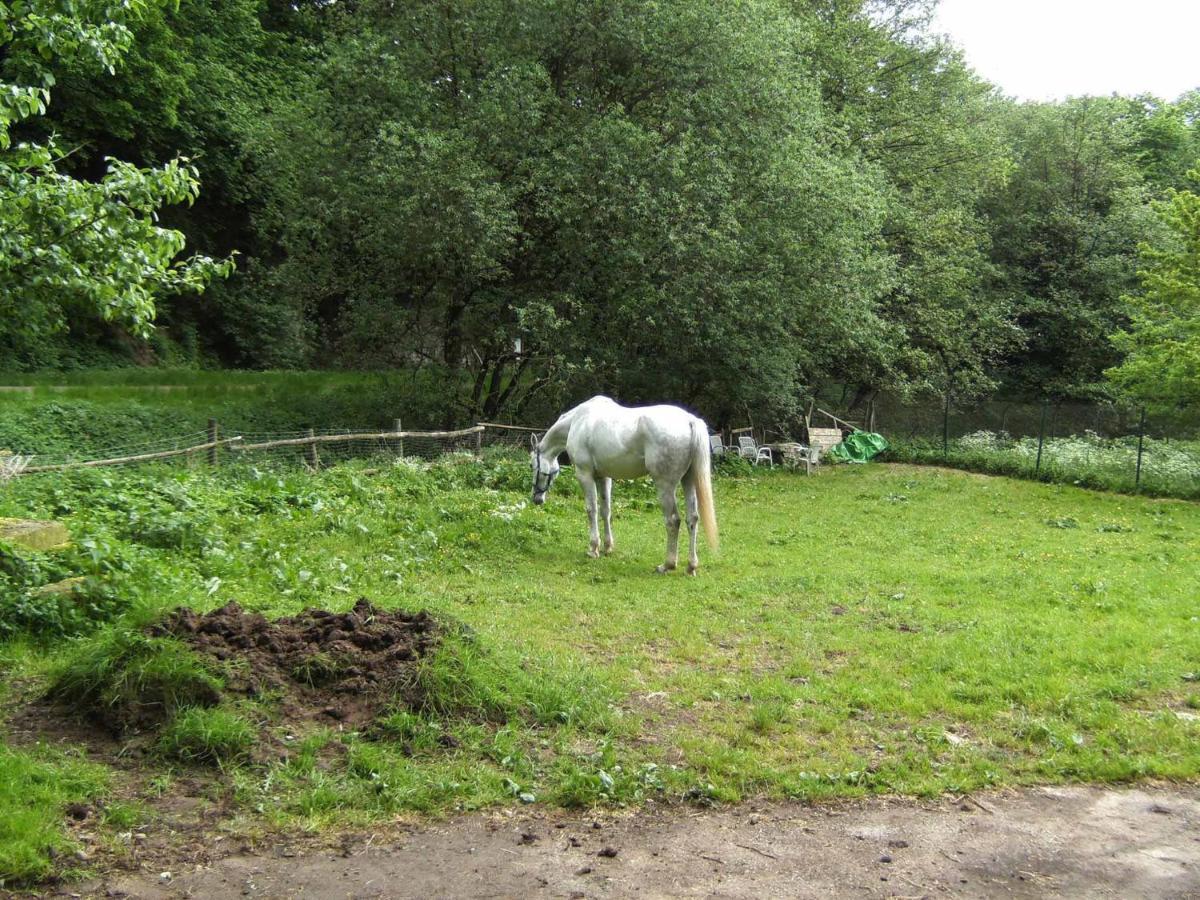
<point x="1051" y="49"/>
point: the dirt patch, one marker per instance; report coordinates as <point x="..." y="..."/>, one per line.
<point x="339" y="667"/>
<point x="1041" y="842"/>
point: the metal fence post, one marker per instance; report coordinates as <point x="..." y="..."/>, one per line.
<point x="1137" y="478"/>
<point x="946" y="427"/>
<point x="214" y="435"/>
<point x="1037" y="468"/>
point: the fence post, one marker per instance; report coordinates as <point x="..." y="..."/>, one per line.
<point x="946" y="428"/>
<point x="314" y="458"/>
<point x="1037" y="468"/>
<point x="214" y="435"/>
<point x="397" y="428"/>
<point x="479" y="444"/>
<point x="1137" y="478"/>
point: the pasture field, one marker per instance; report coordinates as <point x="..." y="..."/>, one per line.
<point x="879" y="629"/>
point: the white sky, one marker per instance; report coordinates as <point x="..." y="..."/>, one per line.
<point x="1051" y="49"/>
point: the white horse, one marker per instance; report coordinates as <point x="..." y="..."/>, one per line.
<point x="606" y="440"/>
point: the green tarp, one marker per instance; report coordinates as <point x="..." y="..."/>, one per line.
<point x="859" y="447"/>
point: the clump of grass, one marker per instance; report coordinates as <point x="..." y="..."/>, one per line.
<point x="418" y="734"/>
<point x="128" y="679"/>
<point x="316" y="669"/>
<point x="462" y="680"/>
<point x="216" y="736"/>
<point x="35" y="789"/>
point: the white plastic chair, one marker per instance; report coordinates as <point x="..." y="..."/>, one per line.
<point x="747" y="449"/>
<point x="715" y="445"/>
<point x="795" y="454"/>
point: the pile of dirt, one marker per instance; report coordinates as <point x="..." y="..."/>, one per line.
<point x="340" y="667"/>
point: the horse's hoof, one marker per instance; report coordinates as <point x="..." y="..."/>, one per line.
<point x="693" y="570"/>
<point x="608" y="549"/>
<point x="594" y="554"/>
<point x="664" y="569"/>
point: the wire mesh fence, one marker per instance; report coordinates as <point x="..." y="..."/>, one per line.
<point x="1105" y="445"/>
<point x="312" y="448"/>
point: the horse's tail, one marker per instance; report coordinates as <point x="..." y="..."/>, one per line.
<point x="702" y="473"/>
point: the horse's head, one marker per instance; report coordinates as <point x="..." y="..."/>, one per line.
<point x="545" y="470"/>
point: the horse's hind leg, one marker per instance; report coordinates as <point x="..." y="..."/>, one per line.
<point x="606" y="512"/>
<point x="589" y="502"/>
<point x="692" y="517"/>
<point x="666" y="496"/>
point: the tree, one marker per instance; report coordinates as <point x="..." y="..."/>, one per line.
<point x="909" y="106"/>
<point x="65" y="243"/>
<point x="646" y="195"/>
<point x="1064" y="232"/>
<point x="1162" y="341"/>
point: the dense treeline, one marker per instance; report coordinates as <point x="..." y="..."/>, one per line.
<point x="728" y="204"/>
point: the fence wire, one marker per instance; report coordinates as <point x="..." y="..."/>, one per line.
<point x="312" y="448"/>
<point x="1096" y="444"/>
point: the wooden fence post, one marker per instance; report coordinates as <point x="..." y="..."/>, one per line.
<point x="398" y="429"/>
<point x="479" y="444"/>
<point x="314" y="458"/>
<point x="214" y="435"/>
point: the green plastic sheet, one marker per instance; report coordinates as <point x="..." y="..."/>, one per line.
<point x="859" y="447"/>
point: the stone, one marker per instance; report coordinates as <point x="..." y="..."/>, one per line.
<point x="64" y="587"/>
<point x="34" y="535"/>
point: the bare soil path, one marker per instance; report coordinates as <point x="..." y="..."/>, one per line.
<point x="1040" y="842"/>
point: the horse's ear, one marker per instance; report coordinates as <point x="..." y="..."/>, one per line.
<point x="533" y="441"/>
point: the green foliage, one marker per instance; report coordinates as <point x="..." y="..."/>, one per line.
<point x="648" y="197"/>
<point x="36" y="785"/>
<point x="215" y="736"/>
<point x="1065" y="229"/>
<point x="1162" y="342"/>
<point x="66" y="243"/>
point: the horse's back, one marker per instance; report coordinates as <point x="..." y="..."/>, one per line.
<point x="631" y="441"/>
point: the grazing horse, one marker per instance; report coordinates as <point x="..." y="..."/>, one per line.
<point x="606" y="440"/>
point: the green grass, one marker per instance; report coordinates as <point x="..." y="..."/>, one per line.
<point x="891" y="629"/>
<point x="218" y="736"/>
<point x="128" y="679"/>
<point x="1169" y="468"/>
<point x="35" y="788"/>
<point x="98" y="413"/>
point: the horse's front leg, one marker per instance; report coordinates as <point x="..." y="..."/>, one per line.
<point x="670" y="508"/>
<point x="589" y="503"/>
<point x="606" y="512"/>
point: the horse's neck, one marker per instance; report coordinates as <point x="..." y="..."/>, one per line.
<point x="554" y="441"/>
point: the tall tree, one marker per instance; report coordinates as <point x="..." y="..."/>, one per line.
<point x="909" y="107"/>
